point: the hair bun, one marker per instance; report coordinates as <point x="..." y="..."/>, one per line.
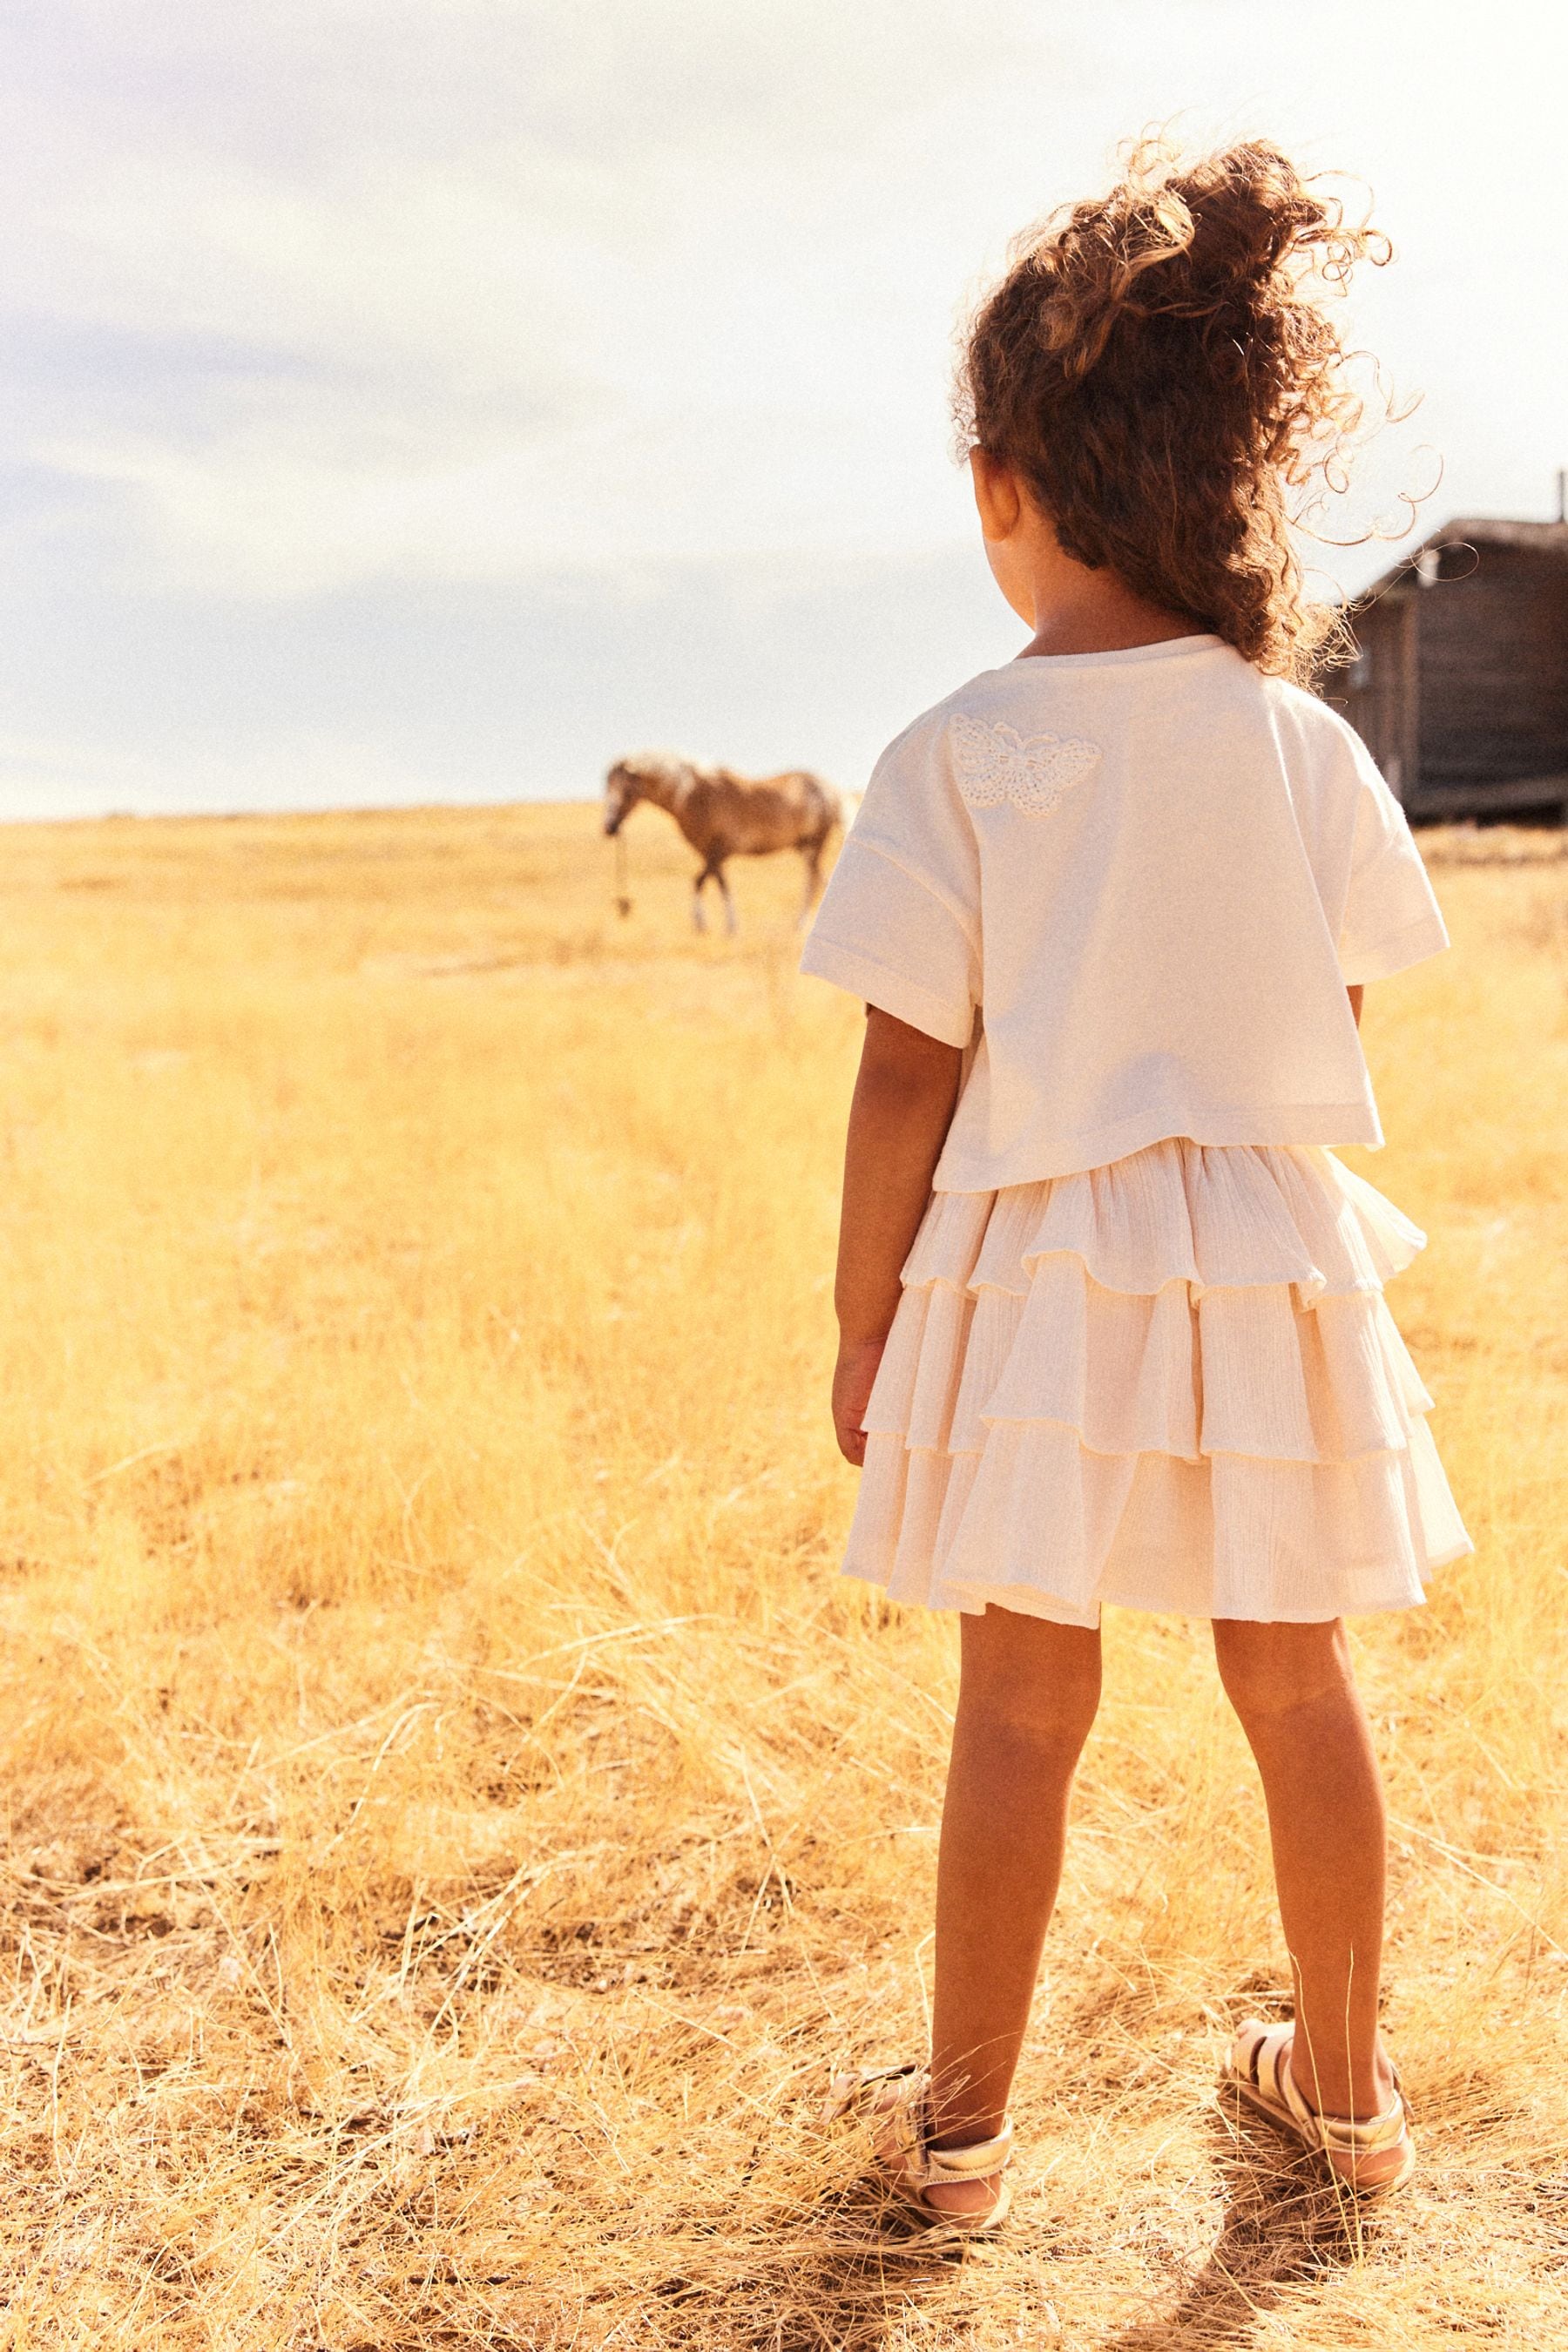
<point x="1188" y="242"/>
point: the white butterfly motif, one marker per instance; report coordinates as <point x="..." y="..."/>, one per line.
<point x="1035" y="772"/>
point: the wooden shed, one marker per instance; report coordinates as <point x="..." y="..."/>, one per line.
<point x="1459" y="683"/>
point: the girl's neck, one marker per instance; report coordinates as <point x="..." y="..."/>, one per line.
<point x="1071" y="607"/>
<point x="1080" y="611"/>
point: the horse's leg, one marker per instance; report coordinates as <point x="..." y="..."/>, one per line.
<point x="699" y="912"/>
<point x="811" y="851"/>
<point x="729" y="902"/>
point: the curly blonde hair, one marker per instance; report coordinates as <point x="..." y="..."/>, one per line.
<point x="1158" y="365"/>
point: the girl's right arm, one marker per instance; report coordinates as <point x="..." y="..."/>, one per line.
<point x="904" y="1098"/>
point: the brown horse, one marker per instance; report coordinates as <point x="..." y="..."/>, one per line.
<point x="725" y="815"/>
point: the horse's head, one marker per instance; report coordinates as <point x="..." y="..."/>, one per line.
<point x="623" y="790"/>
<point x="656" y="776"/>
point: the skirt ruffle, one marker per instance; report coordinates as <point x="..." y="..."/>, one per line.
<point x="1170" y="1383"/>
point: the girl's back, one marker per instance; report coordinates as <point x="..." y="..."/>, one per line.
<point x="1157" y="870"/>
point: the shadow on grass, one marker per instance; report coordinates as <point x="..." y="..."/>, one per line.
<point x="842" y="2273"/>
<point x="1287" y="2224"/>
<point x="845" y="2271"/>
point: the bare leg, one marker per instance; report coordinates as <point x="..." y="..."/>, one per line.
<point x="1026" y="1699"/>
<point x="1293" y="1688"/>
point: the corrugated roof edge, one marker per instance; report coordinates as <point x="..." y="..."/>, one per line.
<point x="1550" y="537"/>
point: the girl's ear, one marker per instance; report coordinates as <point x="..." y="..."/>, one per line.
<point x="997" y="498"/>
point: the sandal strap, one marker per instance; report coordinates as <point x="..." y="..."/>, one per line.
<point x="971" y="2162"/>
<point x="1351" y="2136"/>
<point x="902" y="2122"/>
<point x="1263" y="2052"/>
<point x="847" y="2092"/>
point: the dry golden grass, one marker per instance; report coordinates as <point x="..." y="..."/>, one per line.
<point x="454" y="1813"/>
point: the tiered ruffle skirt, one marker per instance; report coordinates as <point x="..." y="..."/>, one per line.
<point x="1170" y="1383"/>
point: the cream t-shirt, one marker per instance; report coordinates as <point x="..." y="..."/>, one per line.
<point x="1138" y="883"/>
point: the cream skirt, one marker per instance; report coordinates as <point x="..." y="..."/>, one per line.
<point x="1170" y="1383"/>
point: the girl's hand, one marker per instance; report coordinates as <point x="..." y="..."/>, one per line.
<point x="852" y="1377"/>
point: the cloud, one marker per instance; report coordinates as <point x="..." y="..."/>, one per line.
<point x="267" y="513"/>
<point x="462" y="336"/>
<point x="470" y="289"/>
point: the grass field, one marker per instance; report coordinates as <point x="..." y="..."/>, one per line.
<point x="455" y="1814"/>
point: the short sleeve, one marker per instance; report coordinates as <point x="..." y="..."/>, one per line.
<point x="1391" y="916"/>
<point x="899" y="925"/>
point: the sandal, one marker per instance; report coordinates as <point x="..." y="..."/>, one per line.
<point x="1258" y="2071"/>
<point x="894" y="2100"/>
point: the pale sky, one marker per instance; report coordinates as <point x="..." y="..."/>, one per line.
<point x="418" y="400"/>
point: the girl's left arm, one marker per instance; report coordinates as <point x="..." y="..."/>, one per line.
<point x="904" y="1098"/>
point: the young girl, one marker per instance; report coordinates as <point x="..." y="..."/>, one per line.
<point x="1112" y="1312"/>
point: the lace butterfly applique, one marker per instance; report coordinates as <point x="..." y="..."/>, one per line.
<point x="1034" y="772"/>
